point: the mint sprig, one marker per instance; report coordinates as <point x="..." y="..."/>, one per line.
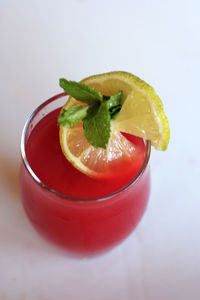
<point x="96" y="115"/>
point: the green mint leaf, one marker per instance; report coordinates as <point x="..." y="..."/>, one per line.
<point x="114" y="111"/>
<point x="114" y="104"/>
<point x="81" y="91"/>
<point x="115" y="99"/>
<point x="97" y="125"/>
<point x="72" y="116"/>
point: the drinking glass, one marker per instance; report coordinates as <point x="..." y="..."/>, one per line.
<point x="81" y="226"/>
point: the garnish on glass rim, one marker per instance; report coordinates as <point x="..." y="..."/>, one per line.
<point x="87" y="138"/>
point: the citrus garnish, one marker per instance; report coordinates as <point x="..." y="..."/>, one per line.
<point x="141" y="114"/>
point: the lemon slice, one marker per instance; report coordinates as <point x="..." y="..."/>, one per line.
<point x="141" y="115"/>
<point x="142" y="111"/>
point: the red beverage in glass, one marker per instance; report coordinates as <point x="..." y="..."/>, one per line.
<point x="84" y="215"/>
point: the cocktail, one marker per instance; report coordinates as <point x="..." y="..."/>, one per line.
<point x="81" y="195"/>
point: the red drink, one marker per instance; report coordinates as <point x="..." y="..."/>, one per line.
<point x="82" y="214"/>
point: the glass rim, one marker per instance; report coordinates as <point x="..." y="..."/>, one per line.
<point x="46" y="187"/>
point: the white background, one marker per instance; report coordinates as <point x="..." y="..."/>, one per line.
<point x="159" y="41"/>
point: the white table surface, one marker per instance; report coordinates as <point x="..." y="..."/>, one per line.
<point x="159" y="41"/>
